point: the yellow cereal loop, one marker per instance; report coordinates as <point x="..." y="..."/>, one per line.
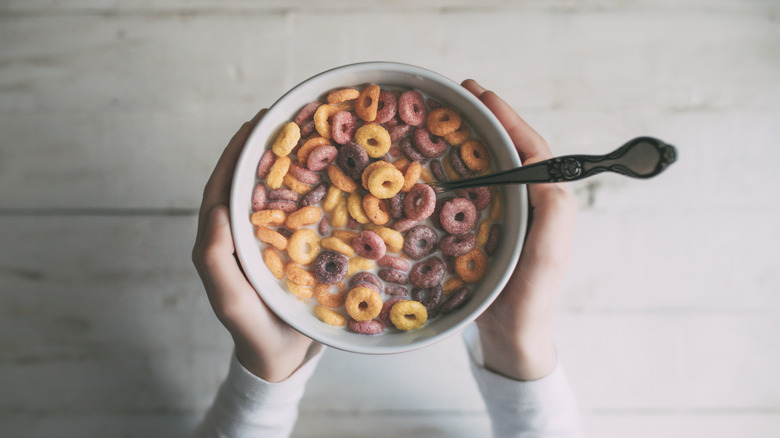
<point x="298" y="290"/>
<point x="451" y="285"/>
<point x="331" y="199"/>
<point x="367" y="103"/>
<point x="393" y="239"/>
<point x="376" y="209"/>
<point x="344" y="235"/>
<point x="340" y="215"/>
<point x="304" y="246"/>
<point x="497" y="207"/>
<point x="268" y="217"/>
<point x="370" y="169"/>
<point x="348" y="105"/>
<point x="338" y="245"/>
<point x="271" y="237"/>
<point x="408" y="315"/>
<point x="286" y="140"/>
<point x="298" y="275"/>
<point x="342" y="95"/>
<point x="411" y="176"/>
<point x="385" y="182"/>
<point x="459" y="136"/>
<point x="304" y="216"/>
<point x="274" y="262"/>
<point x="427" y="176"/>
<point x="278" y="171"/>
<point x="329" y="316"/>
<point x="374" y="138"/>
<point x="322" y="119"/>
<point x="355" y="208"/>
<point x="297" y="186"/>
<point x="483" y="230"/>
<point x="357" y="264"/>
<point x="363" y="303"/>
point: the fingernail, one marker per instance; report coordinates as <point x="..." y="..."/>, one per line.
<point x="479" y="87"/>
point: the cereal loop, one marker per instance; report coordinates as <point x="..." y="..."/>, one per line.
<point x="298" y="290"/>
<point x="398" y="263"/>
<point x="475" y="155"/>
<point x="386" y="108"/>
<point x="355" y="208"/>
<point x="286" y="140"/>
<point x="322" y="292"/>
<point x="460" y="135"/>
<point x="374" y="138"/>
<point x="420" y="202"/>
<point x="266" y="161"/>
<point x="298" y="275"/>
<point x="458" y="298"/>
<point x="385" y="182"/>
<point x="411" y="108"/>
<point x="322" y="119"/>
<point x="372" y="327"/>
<point x="420" y="242"/>
<point x="367" y="103"/>
<point x="320" y="158"/>
<point x="343" y="127"/>
<point x="296" y="185"/>
<point x="442" y="121"/>
<point x="493" y="240"/>
<point x="367" y="279"/>
<point x="429" y="145"/>
<point x="471" y="267"/>
<point x="278" y="171"/>
<point x="309" y="146"/>
<point x="307" y="112"/>
<point x="331" y="199"/>
<point x="376" y="209"/>
<point x="340" y="214"/>
<point x="274" y="262"/>
<point x="496" y="208"/>
<point x="363" y="304"/>
<point x="394" y="240"/>
<point x="338" y="245"/>
<point x="458" y="216"/>
<point x="271" y="237"/>
<point x="457" y="244"/>
<point x="305" y="216"/>
<point x="428" y="273"/>
<point x="358" y="264"/>
<point x="483" y="231"/>
<point x="408" y="315"/>
<point x="342" y="95"/>
<point x="345" y="235"/>
<point x="259" y="196"/>
<point x="329" y="316"/>
<point x="369" y="245"/>
<point x="411" y="176"/>
<point x="304" y="246"/>
<point x="330" y="267"/>
<point x="352" y="160"/>
<point x="315" y="195"/>
<point x="370" y="169"/>
<point x="340" y="180"/>
<point x="268" y="217"/>
<point x="452" y="284"/>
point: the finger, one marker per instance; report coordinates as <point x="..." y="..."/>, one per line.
<point x="217" y="190"/>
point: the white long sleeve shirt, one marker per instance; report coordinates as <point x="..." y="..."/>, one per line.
<point x="247" y="405"/>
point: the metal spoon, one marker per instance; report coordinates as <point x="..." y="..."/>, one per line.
<point x="642" y="157"/>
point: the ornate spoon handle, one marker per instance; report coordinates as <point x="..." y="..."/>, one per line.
<point x="642" y="157"/>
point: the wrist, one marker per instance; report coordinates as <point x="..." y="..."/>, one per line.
<point x="273" y="368"/>
<point x="518" y="357"/>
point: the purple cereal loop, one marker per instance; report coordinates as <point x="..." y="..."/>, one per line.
<point x="457" y="299"/>
<point x="343" y="127"/>
<point x="403" y="225"/>
<point x="369" y="245"/>
<point x="457" y="244"/>
<point x="395" y="121"/>
<point x="307" y="112"/>
<point x="458" y="165"/>
<point x="283" y="195"/>
<point x="285" y="232"/>
<point x="458" y="216"/>
<point x="420" y="241"/>
<point x="324" y="226"/>
<point x="384" y="314"/>
<point x="386" y="108"/>
<point x="303" y="174"/>
<point x="320" y="157"/>
<point x="411" y="108"/>
<point x="428" y="273"/>
<point x="364" y="277"/>
<point x="479" y="196"/>
<point x="420" y="202"/>
<point x="352" y="159"/>
<point x="266" y="161"/>
<point x="352" y="224"/>
<point x="411" y="153"/>
<point x="398" y="132"/>
<point x="393" y="276"/>
<point x="315" y="195"/>
<point x="398" y="263"/>
<point x="307" y="129"/>
<point x="259" y="196"/>
<point x="449" y="261"/>
<point x="493" y="240"/>
<point x="428" y="144"/>
<point x="370" y="327"/>
<point x="431" y="301"/>
<point x="330" y="267"/>
<point x="437" y="211"/>
<point x="397" y="206"/>
<point x="438" y="171"/>
<point x="396" y="290"/>
<point x="433" y="103"/>
<point x="285" y="206"/>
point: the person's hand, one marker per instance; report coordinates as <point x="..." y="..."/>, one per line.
<point x="515" y="331"/>
<point x="265" y="345"/>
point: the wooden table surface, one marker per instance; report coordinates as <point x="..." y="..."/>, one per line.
<point x="112" y="115"/>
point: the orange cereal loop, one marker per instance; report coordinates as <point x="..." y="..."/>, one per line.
<point x="367" y="103"/>
<point x="355" y="208"/>
<point x="370" y="168"/>
<point x="340" y="215"/>
<point x="303" y="246"/>
<point x="331" y="199"/>
<point x="322" y="119"/>
<point x="322" y="292"/>
<point x="274" y="262"/>
<point x="411" y="176"/>
<point x="298" y="290"/>
<point x="451" y="285"/>
<point x="408" y="315"/>
<point x="458" y="136"/>
<point x="374" y="138"/>
<point x="348" y="106"/>
<point x="401" y="164"/>
<point x="497" y="207"/>
<point x="340" y="179"/>
<point x="363" y="304"/>
<point x="472" y="266"/>
<point x="338" y="96"/>
<point x="393" y="239"/>
<point x="276" y="175"/>
<point x="268" y="217"/>
<point x="376" y="209"/>
<point x="295" y="184"/>
<point x="298" y="275"/>
<point x="271" y="237"/>
<point x="308" y="146"/>
<point x="329" y="316"/>
<point x="338" y="245"/>
<point x="357" y="264"/>
<point x="344" y="235"/>
<point x="483" y="230"/>
<point x="305" y="216"/>
<point x="442" y="121"/>
<point x="475" y="155"/>
<point x="286" y="140"/>
<point x="385" y="182"/>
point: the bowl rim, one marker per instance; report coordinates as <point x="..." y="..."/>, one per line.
<point x="364" y="67"/>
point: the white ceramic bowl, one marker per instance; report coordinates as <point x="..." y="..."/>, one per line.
<point x="436" y="86"/>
